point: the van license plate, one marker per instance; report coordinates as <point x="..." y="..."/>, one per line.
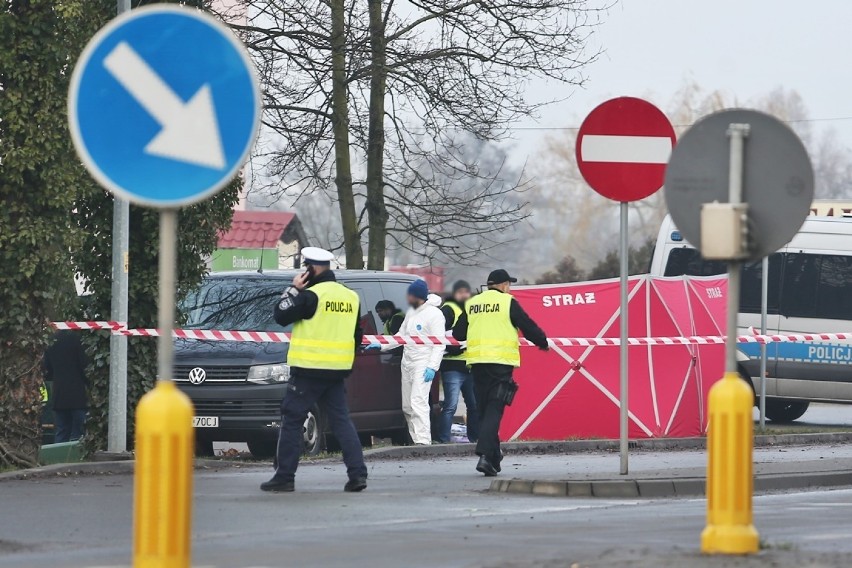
<point x="205" y="421"/>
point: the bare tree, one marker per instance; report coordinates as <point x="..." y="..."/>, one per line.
<point x="372" y="93"/>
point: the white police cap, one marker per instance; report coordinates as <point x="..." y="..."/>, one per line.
<point x="316" y="255"/>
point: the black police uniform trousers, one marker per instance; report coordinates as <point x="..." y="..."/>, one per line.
<point x="486" y="379"/>
<point x="302" y="394"/>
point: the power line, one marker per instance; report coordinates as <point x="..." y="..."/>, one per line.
<point x="797" y="121"/>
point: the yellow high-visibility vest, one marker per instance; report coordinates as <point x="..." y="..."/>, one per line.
<point x="457" y="311"/>
<point x="491" y="337"/>
<point x="386" y="330"/>
<point x="327" y="340"/>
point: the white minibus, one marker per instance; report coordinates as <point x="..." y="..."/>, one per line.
<point x="810" y="291"/>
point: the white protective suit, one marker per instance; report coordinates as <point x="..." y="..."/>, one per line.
<point x="425" y="320"/>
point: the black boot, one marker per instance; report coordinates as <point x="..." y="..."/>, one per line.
<point x="355" y="485"/>
<point x="484" y="466"/>
<point x="278" y="485"/>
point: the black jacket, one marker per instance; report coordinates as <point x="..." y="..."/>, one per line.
<point x="65" y="364"/>
<point x="302" y="307"/>
<point x="519" y="319"/>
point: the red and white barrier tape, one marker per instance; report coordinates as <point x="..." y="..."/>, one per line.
<point x="280" y="337"/>
<point x="89" y="325"/>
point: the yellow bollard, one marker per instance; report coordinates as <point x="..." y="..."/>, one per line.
<point x="163" y="482"/>
<point x="730" y="483"/>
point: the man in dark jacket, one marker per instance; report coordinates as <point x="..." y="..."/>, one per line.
<point x="455" y="374"/>
<point x="326" y="335"/>
<point x="490" y="325"/>
<point x="65" y="366"/>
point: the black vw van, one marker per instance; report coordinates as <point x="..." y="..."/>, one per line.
<point x="237" y="387"/>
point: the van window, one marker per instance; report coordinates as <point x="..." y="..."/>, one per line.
<point x="689" y="262"/>
<point x="817" y="286"/>
<point x="834" y="292"/>
<point x="396" y="292"/>
<point x="235" y="304"/>
<point x="750" y="292"/>
<point x="370" y="294"/>
<point x="801" y="275"/>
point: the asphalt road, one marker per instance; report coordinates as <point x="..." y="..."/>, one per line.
<point x="418" y="513"/>
<point x="818" y="416"/>
<point x="839" y="415"/>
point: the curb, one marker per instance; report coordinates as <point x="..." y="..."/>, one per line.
<point x="67" y="469"/>
<point x="570" y="446"/>
<point x="118" y="467"/>
<point x="663" y="488"/>
<point x="125" y="466"/>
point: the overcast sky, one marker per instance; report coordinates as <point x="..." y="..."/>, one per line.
<point x="743" y="47"/>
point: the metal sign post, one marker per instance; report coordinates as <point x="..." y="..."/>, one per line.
<point x="737" y="134"/>
<point x="764" y="308"/>
<point x="117" y="409"/>
<point x="624" y="411"/>
<point x="730" y="463"/>
<point x="726" y="197"/>
<point x="166" y="293"/>
<point x="143" y="140"/>
<point x="622" y="149"/>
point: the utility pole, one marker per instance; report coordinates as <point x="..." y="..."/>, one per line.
<point x="117" y="421"/>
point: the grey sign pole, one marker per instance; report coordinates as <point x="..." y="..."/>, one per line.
<point x="764" y="307"/>
<point x="166" y="301"/>
<point x="737" y="134"/>
<point x="623" y="392"/>
<point x="117" y="413"/>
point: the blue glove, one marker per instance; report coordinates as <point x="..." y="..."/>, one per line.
<point x="428" y="375"/>
<point x="373" y="347"/>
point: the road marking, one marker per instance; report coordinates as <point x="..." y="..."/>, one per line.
<point x="626" y="149"/>
<point x="190" y="131"/>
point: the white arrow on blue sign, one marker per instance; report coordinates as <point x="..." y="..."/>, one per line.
<point x="164" y="106"/>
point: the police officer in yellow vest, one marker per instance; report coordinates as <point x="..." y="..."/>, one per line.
<point x="490" y="325"/>
<point x="326" y="333"/>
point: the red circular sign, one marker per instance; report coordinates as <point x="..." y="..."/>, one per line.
<point x="623" y="147"/>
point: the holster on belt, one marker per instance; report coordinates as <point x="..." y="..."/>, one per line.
<point x="506" y="392"/>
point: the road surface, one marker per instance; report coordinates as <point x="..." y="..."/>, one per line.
<point x="417" y="513"/>
<point x="818" y="416"/>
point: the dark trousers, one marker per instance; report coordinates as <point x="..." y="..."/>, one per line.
<point x="486" y="378"/>
<point x="303" y="393"/>
<point x="70" y="424"/>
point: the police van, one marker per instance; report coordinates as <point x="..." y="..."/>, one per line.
<point x="810" y="291"/>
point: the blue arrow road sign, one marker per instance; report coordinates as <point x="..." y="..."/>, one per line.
<point x="164" y="106"/>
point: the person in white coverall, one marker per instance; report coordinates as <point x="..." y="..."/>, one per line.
<point x="420" y="363"/>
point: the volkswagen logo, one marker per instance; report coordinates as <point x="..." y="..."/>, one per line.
<point x="197" y="375"/>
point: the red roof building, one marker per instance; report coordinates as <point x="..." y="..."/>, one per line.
<point x="266" y="230"/>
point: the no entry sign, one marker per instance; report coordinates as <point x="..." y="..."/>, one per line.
<point x="623" y="147"/>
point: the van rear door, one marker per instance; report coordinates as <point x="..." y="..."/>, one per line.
<point x="816" y="297"/>
<point x="685" y="260"/>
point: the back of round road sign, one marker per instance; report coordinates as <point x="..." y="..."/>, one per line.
<point x="778" y="180"/>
